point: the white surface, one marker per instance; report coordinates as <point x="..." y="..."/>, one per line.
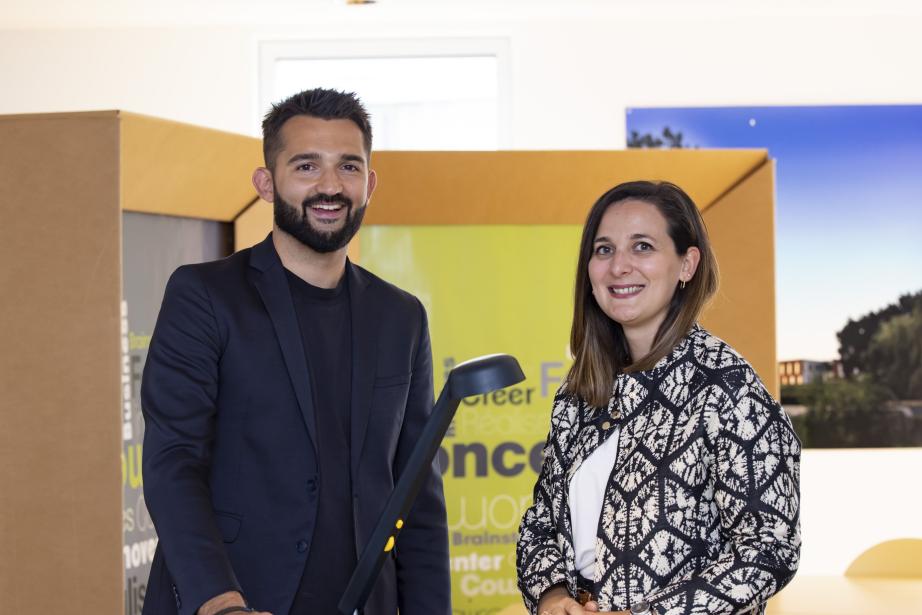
<point x="854" y="499"/>
<point x="573" y="71"/>
<point x="415" y="91"/>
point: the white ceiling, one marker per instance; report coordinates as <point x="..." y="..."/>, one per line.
<point x="18" y="14"/>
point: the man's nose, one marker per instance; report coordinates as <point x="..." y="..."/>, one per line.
<point x="330" y="183"/>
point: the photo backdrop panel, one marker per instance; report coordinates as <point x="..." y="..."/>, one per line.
<point x="488" y="289"/>
<point x="153" y="247"/>
<point x="849" y="326"/>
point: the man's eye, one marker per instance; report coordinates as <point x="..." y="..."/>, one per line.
<point x="350" y="167"/>
<point x="304" y="167"/>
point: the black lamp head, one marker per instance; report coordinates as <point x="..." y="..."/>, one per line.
<point x="474" y="377"/>
<point x="483" y="375"/>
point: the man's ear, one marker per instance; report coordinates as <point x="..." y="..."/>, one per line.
<point x="265" y="187"/>
<point x="372" y="182"/>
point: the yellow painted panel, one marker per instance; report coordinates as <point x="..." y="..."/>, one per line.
<point x="742" y="229"/>
<point x="488" y="289"/>
<point x="537" y="187"/>
<point x="182" y="170"/>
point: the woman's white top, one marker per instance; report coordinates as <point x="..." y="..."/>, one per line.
<point x="587" y="491"/>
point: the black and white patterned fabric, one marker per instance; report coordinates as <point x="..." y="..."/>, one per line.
<point x="701" y="512"/>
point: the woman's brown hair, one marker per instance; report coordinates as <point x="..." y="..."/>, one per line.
<point x="598" y="344"/>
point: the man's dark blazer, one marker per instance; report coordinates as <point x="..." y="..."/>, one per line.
<point x="230" y="472"/>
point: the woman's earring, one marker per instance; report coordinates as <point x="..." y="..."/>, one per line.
<point x="682" y="285"/>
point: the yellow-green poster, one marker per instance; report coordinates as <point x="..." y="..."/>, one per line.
<point x="488" y="289"/>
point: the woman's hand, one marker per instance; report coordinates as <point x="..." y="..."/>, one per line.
<point x="593" y="607"/>
<point x="557" y="601"/>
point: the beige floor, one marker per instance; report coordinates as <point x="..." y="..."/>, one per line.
<point x="836" y="596"/>
<point x="808" y="595"/>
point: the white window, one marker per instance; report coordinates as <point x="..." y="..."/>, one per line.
<point x="422" y="95"/>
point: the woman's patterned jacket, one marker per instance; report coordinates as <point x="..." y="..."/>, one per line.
<point x="701" y="513"/>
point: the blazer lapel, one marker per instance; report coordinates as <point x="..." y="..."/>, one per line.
<point x="630" y="404"/>
<point x="364" y="357"/>
<point x="588" y="439"/>
<point x="643" y="416"/>
<point x="269" y="279"/>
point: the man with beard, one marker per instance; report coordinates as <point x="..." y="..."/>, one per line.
<point x="283" y="392"/>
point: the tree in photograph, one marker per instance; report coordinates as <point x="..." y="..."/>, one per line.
<point x="856" y="336"/>
<point x="895" y="354"/>
<point x="643" y="141"/>
<point x="673" y="139"/>
<point x="669" y="139"/>
<point x="853" y="413"/>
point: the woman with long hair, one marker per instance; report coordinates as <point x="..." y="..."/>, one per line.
<point x="670" y="481"/>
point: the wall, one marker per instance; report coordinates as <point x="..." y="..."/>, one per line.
<point x="854" y="499"/>
<point x="574" y="72"/>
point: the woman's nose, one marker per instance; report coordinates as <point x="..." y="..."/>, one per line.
<point x="621" y="263"/>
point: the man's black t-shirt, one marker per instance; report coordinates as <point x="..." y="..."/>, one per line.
<point x="324" y="317"/>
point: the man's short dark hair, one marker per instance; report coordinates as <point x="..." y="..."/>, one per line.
<point x="320" y="103"/>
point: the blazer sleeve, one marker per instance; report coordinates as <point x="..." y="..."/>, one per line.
<point x="757" y="492"/>
<point x="540" y="563"/>
<point x="178" y="395"/>
<point x="423" y="577"/>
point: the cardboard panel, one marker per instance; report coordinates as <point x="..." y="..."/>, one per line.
<point x="733" y="188"/>
<point x="183" y="170"/>
<point x="526" y="187"/>
<point x="536" y="187"/>
<point x="742" y="229"/>
<point x="518" y="187"/>
<point x="60" y="483"/>
<point x="252" y="225"/>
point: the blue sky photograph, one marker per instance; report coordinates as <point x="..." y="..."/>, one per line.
<point x="848" y="210"/>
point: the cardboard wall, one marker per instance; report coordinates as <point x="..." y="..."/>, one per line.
<point x="65" y="180"/>
<point x="181" y="170"/>
<point x="733" y="188"/>
<point x="741" y="224"/>
<point x="60" y="517"/>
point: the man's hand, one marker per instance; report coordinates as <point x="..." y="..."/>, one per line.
<point x="224" y="601"/>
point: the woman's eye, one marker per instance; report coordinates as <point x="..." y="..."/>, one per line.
<point x="643" y="246"/>
<point x="602" y="250"/>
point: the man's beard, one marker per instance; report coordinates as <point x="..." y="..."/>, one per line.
<point x="296" y="224"/>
